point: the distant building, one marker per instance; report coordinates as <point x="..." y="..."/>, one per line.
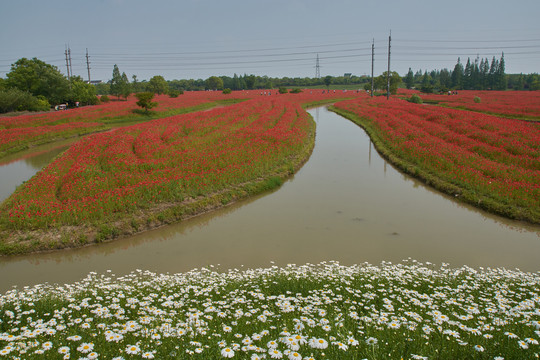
<point x="347" y="75"/>
<point x="95" y="82"/>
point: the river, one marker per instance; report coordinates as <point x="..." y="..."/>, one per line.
<point x="346" y="204"/>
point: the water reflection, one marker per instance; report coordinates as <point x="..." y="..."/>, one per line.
<point x="345" y="204"/>
<point x="18" y="168"/>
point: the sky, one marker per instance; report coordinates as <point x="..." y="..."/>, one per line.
<point x="196" y="39"/>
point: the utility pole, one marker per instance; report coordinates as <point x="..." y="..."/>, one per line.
<point x="67" y="63"/>
<point x="88" y="65"/>
<point x="70" y="67"/>
<point x="317" y="68"/>
<point x="388" y="73"/>
<point x="372" y="62"/>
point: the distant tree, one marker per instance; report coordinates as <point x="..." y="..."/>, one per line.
<point x="501" y="83"/>
<point x="492" y="73"/>
<point x="82" y="92"/>
<point x="39" y="79"/>
<point x="214" y="83"/>
<point x="14" y="99"/>
<point x="145" y="100"/>
<point x="467" y="75"/>
<point x="227" y="91"/>
<point x="125" y="86"/>
<point x="236" y="83"/>
<point x="457" y="75"/>
<point x="409" y="79"/>
<point x="327" y="81"/>
<point x="426" y="84"/>
<point x="250" y="81"/>
<point x="158" y="85"/>
<point x="116" y="82"/>
<point x="381" y="81"/>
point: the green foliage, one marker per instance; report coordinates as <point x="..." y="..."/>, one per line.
<point x="18" y="100"/>
<point x="214" y="83"/>
<point x="145" y="100"/>
<point x="409" y="79"/>
<point x="416" y="99"/>
<point x="175" y="93"/>
<point x="283" y="90"/>
<point x="158" y="85"/>
<point x="381" y="81"/>
<point x="477" y="100"/>
<point x="125" y="88"/>
<point x="104" y="99"/>
<point x="82" y="92"/>
<point x="327" y="81"/>
<point x="296" y="91"/>
<point x="116" y="82"/>
<point x="227" y="91"/>
<point x="39" y="78"/>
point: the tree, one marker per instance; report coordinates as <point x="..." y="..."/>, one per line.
<point x="145" y="100"/>
<point x="457" y="75"/>
<point x="409" y="79"/>
<point x="116" y="82"/>
<point x="39" y="79"/>
<point x="82" y="92"/>
<point x="501" y="83"/>
<point x="214" y="83"/>
<point x="381" y="81"/>
<point x="426" y="84"/>
<point x="250" y="81"/>
<point x="158" y="85"/>
<point x="125" y="86"/>
<point x="327" y="81"/>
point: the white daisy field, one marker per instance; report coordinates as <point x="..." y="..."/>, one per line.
<point x="326" y="311"/>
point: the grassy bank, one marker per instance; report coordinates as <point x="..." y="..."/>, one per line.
<point x="326" y="311"/>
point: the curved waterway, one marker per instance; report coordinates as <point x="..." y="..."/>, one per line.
<point x="346" y="204"/>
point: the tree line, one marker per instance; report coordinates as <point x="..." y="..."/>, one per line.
<point x="36" y="86"/>
<point x="480" y="74"/>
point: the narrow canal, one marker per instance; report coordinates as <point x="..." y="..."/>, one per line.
<point x="345" y="204"/>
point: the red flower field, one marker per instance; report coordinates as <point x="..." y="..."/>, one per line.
<point x="489" y="157"/>
<point x="522" y="104"/>
<point x="163" y="160"/>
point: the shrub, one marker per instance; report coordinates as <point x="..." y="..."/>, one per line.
<point x="227" y="91"/>
<point x="104" y="99"/>
<point x="296" y="91"/>
<point x="477" y="100"/>
<point x="175" y="93"/>
<point x="416" y="99"/>
<point x="145" y="100"/>
<point x="18" y="100"/>
<point x="283" y="90"/>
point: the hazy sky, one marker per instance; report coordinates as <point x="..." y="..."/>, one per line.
<point x="183" y="39"/>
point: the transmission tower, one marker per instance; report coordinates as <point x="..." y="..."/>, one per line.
<point x="317" y="68"/>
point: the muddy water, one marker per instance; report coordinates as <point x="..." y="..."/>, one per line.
<point x="345" y="204"/>
<point x="16" y="169"/>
